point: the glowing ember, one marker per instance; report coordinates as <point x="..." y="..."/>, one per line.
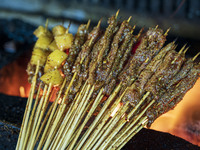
<point x="13" y="79"/>
<point x="184" y="120"/>
<point x="22" y="91"/>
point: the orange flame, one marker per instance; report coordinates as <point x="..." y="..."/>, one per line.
<point x="184" y="120"/>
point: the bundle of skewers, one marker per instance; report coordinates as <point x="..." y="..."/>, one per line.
<point x="105" y="85"/>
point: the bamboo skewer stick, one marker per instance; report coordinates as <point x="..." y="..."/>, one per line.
<point x="111" y="126"/>
<point x="27" y="110"/>
<point x="133" y="132"/>
<point x="102" y="122"/>
<point x="104" y="128"/>
<point x="87" y="133"/>
<point x="130" y="125"/>
<point x="62" y="129"/>
<point x="76" y="126"/>
<point x="70" y="118"/>
<point x="32" y="115"/>
<point x="137" y="106"/>
<point x="59" y="113"/>
<point x="78" y="114"/>
<point x="195" y="57"/>
<point x="42" y="111"/>
<point x="43" y="123"/>
<point x="122" y="122"/>
<point x="38" y="111"/>
<point x="37" y="114"/>
<point x="95" y="104"/>
<point x="55" y="104"/>
<point x="69" y="125"/>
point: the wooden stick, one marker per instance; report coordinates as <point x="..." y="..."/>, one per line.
<point x="58" y="124"/>
<point x="41" y="114"/>
<point x="133" y="132"/>
<point x="95" y="104"/>
<point x="43" y="123"/>
<point x="55" y="104"/>
<point x="78" y="113"/>
<point x="102" y="122"/>
<point x="137" y="106"/>
<point x="129" y="19"/>
<point x="55" y="124"/>
<point x="30" y="123"/>
<point x="111" y="127"/>
<point x="37" y="113"/>
<point x="122" y="122"/>
<point x="59" y="113"/>
<point x="131" y="124"/>
<point x="186" y="50"/>
<point x="117" y="13"/>
<point x="92" y="126"/>
<point x="166" y="33"/>
<point x="67" y="123"/>
<point x="196" y="56"/>
<point x="62" y="129"/>
<point x="71" y="125"/>
<point x="88" y="24"/>
<point x="53" y="145"/>
<point x="27" y="111"/>
<point x="107" y="125"/>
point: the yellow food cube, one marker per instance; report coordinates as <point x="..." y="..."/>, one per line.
<point x="38" y="54"/>
<point x="41" y="30"/>
<point x="53" y="77"/>
<point x="64" y="41"/>
<point x="55" y="60"/>
<point x="53" y="46"/>
<point x="43" y="42"/>
<point x="58" y="30"/>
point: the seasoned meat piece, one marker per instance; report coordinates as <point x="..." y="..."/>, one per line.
<point x="86" y="48"/>
<point x="82" y="60"/>
<point x="166" y="71"/>
<point x="101" y="47"/>
<point x="31" y="72"/>
<point x="133" y="96"/>
<point x="104" y="70"/>
<point x="174" y="93"/>
<point x="112" y="77"/>
<point x="182" y="73"/>
<point x="152" y="67"/>
<point x="150" y="45"/>
<point x="79" y="40"/>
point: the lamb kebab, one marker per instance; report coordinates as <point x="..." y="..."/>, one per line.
<point x="93" y="66"/>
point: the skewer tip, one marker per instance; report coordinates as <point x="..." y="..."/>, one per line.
<point x="133" y="29"/>
<point x="88" y="24"/>
<point x="183" y="48"/>
<point x="129" y="19"/>
<point x="140" y="32"/>
<point x="117" y="13"/>
<point x="166" y="33"/>
<point x="47" y="22"/>
<point x="195" y="57"/>
<point x="99" y="23"/>
<point x="67" y="30"/>
<point x="156" y="27"/>
<point x="184" y="52"/>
